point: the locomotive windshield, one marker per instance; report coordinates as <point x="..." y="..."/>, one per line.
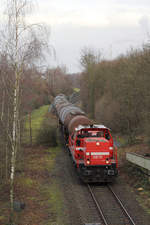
<point x="95" y="133"/>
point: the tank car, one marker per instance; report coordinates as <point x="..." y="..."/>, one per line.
<point x="91" y="146"/>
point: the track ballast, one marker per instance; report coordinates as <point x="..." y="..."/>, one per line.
<point x="109" y="206"/>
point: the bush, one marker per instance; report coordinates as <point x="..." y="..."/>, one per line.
<point x="47" y="135"/>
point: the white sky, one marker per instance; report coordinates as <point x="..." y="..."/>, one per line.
<point x="112" y="26"/>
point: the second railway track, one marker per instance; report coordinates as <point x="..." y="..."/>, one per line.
<point x="110" y="207"/>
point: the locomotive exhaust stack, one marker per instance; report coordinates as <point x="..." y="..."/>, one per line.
<point x="91" y="146"/>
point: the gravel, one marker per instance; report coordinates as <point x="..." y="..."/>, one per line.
<point x="128" y="198"/>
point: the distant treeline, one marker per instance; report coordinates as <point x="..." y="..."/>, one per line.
<point x="117" y="92"/>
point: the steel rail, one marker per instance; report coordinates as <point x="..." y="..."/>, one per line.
<point x="97" y="205"/>
<point x="121" y="205"/>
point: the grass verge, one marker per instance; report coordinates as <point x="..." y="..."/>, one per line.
<point x="35" y="184"/>
<point x="38" y="188"/>
<point x="37" y="117"/>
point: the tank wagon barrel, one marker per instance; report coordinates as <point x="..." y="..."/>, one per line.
<point x="69" y="115"/>
<point x="91" y="146"/>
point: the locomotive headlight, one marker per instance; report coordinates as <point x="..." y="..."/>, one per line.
<point x="107" y="161"/>
<point x="110" y="148"/>
<point x="97" y="143"/>
<point x="88" y="161"/>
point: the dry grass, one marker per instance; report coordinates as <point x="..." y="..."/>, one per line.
<point x="36" y="188"/>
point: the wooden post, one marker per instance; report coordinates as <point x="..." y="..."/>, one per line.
<point x="30" y="128"/>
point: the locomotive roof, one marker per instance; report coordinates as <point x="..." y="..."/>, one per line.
<point x="93" y="126"/>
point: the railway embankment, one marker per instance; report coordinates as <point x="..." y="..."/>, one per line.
<point x="136" y="177"/>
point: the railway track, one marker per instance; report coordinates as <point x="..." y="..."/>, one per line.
<point x="109" y="206"/>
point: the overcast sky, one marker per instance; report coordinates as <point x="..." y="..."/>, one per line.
<point x="112" y="26"/>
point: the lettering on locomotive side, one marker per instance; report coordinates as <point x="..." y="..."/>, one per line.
<point x="96" y="140"/>
<point x="99" y="153"/>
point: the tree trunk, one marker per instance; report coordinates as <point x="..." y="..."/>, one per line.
<point x="14" y="141"/>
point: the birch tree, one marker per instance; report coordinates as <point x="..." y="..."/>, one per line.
<point x="5" y="107"/>
<point x="22" y="47"/>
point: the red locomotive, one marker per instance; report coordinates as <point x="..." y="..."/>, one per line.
<point x="91" y="146"/>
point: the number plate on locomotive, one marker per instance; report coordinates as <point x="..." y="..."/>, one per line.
<point x="97" y="157"/>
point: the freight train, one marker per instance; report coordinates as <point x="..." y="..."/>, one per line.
<point x="90" y="146"/>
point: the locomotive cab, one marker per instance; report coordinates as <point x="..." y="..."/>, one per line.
<point x="95" y="153"/>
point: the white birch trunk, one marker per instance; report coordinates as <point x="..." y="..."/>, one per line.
<point x="2" y="114"/>
<point x="3" y="102"/>
<point x="6" y="146"/>
<point x="15" y="113"/>
<point x="15" y="133"/>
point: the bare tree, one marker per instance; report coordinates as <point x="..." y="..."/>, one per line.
<point x="57" y="82"/>
<point x="89" y="61"/>
<point x="21" y="45"/>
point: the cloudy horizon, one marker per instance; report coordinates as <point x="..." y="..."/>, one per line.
<point x="111" y="26"/>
